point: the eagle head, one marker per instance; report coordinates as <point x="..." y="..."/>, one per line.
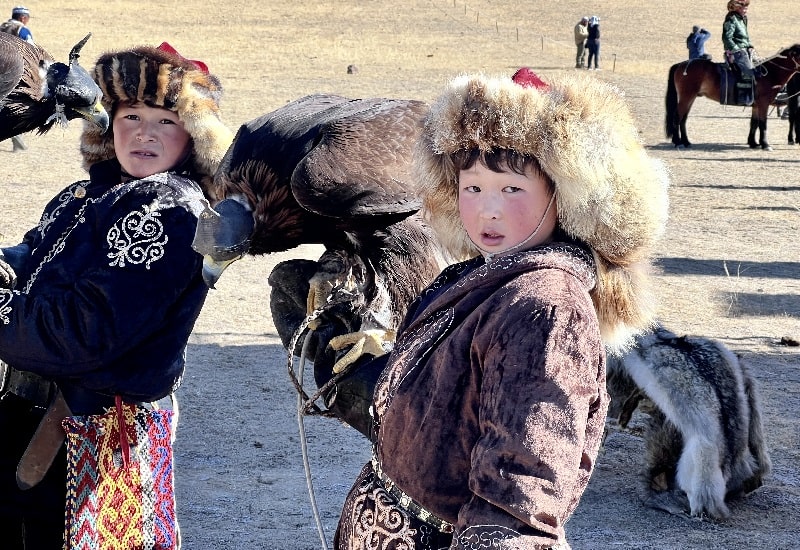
<point x="76" y="93"/>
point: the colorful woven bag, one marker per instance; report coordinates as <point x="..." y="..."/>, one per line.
<point x="120" y="485"/>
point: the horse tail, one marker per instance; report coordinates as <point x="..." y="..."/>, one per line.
<point x="671" y="120"/>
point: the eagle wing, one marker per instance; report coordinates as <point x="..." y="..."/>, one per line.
<point x="11" y="64"/>
<point x="359" y="165"/>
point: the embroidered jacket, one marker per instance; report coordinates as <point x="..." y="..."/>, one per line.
<point x="490" y="411"/>
<point x="108" y="286"/>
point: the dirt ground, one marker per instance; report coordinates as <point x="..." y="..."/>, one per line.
<point x="729" y="266"/>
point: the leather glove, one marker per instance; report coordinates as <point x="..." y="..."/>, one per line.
<point x="350" y="399"/>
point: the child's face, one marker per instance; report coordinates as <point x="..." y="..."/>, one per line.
<point x="501" y="210"/>
<point x="148" y="140"/>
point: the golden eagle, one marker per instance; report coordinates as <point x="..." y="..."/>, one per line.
<point x="37" y="92"/>
<point x="334" y="171"/>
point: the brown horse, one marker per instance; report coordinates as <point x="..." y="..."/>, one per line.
<point x="700" y="77"/>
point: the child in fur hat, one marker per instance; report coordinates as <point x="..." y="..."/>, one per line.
<point x="488" y="413"/>
<point x="107" y="285"/>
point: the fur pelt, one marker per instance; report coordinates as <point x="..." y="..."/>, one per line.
<point x="704" y="436"/>
<point x="160" y="78"/>
<point x="609" y="193"/>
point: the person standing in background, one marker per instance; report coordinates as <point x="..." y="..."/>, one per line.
<point x="581" y="34"/>
<point x="18" y="24"/>
<point x="593" y="43"/>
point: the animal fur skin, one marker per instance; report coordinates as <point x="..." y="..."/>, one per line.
<point x="705" y="438"/>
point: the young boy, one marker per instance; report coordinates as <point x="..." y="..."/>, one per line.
<point x="107" y="285"/>
<point x="489" y="412"/>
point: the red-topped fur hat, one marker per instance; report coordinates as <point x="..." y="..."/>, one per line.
<point x="161" y="77"/>
<point x="610" y="194"/>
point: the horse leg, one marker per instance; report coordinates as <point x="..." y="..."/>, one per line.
<point x="751" y="137"/>
<point x="683" y="114"/>
<point x="761" y="111"/>
<point x="684" y="137"/>
<point x="762" y="127"/>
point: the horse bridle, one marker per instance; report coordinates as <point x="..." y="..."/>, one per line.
<point x="769" y="59"/>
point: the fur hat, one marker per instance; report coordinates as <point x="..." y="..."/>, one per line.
<point x="161" y="77"/>
<point x="609" y="193"/>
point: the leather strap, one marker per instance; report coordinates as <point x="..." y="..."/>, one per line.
<point x="44" y="445"/>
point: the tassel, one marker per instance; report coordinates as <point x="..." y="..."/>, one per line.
<point x="123" y="433"/>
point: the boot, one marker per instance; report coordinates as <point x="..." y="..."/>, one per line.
<point x="744" y="93"/>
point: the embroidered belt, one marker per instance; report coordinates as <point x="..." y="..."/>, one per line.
<point x="409" y="504"/>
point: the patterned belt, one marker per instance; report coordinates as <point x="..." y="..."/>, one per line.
<point x="409" y="504"/>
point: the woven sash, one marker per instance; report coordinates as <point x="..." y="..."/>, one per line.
<point x="120" y="486"/>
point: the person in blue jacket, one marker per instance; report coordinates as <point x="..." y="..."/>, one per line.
<point x="101" y="296"/>
<point x="696" y="43"/>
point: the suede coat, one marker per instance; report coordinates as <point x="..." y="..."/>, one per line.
<point x="491" y="408"/>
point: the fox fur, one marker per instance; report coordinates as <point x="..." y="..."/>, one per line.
<point x="704" y="437"/>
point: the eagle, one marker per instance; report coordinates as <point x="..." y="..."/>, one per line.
<point x="326" y="169"/>
<point x="37" y="92"/>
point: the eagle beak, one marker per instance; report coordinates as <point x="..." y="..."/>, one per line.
<point x="222" y="236"/>
<point x="97" y="115"/>
<point x="212" y="269"/>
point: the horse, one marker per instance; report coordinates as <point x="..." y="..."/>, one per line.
<point x="700" y="77"/>
<point x="793" y="107"/>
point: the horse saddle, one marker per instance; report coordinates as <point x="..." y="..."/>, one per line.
<point x="732" y="89"/>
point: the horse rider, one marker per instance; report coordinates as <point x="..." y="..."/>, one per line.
<point x="739" y="49"/>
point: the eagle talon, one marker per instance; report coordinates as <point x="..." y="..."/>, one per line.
<point x="375" y="342"/>
<point x="324" y="291"/>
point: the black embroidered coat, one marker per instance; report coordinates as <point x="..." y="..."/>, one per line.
<point x="490" y="411"/>
<point x="108" y="286"/>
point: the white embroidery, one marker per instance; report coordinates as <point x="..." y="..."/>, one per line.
<point x="137" y="238"/>
<point x="483" y="537"/>
<point x="6" y="296"/>
<point x="48" y="218"/>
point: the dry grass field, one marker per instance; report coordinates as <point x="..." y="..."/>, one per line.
<point x="729" y="265"/>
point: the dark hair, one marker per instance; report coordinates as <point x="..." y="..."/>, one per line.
<point x="499" y="160"/>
